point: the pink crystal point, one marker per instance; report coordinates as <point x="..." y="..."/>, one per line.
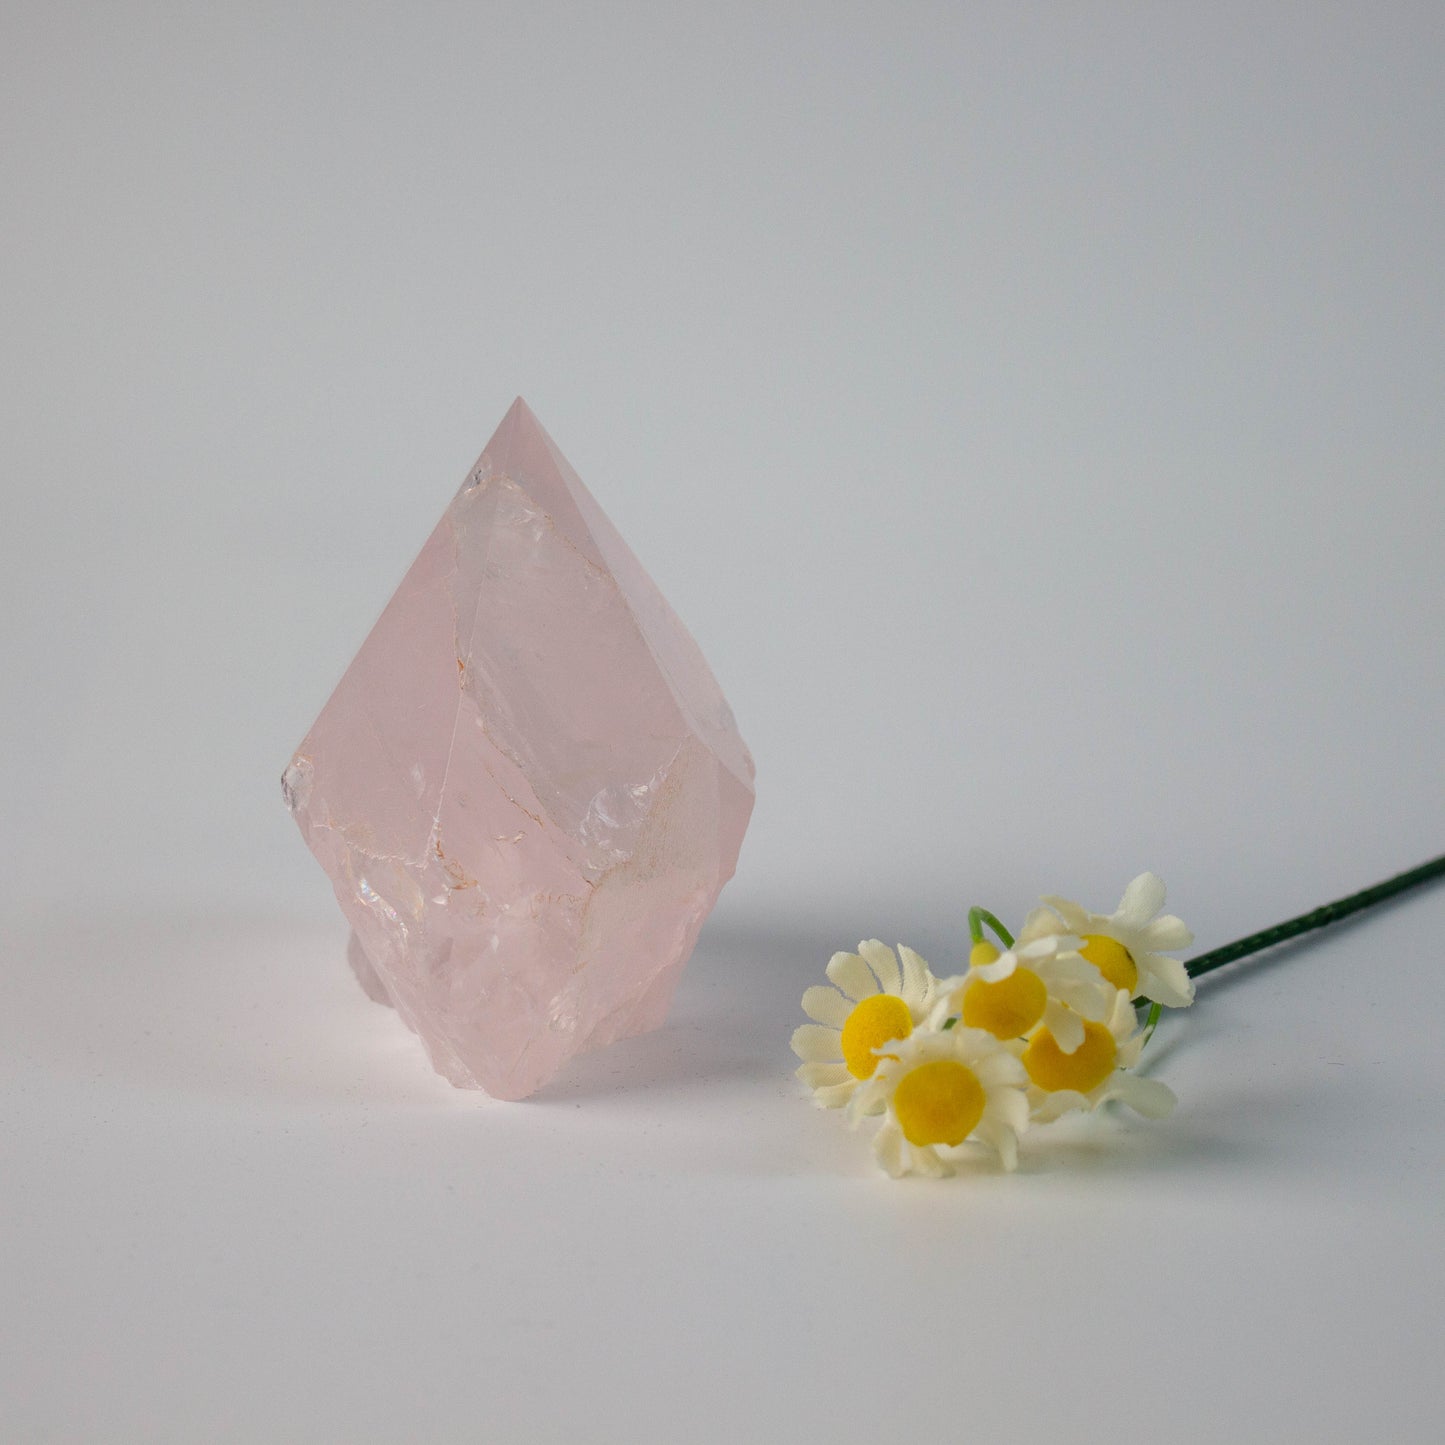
<point x="527" y="789"/>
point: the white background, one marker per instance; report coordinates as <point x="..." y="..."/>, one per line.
<point x="1035" y="414"/>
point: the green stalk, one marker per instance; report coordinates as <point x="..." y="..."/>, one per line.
<point x="977" y="917"/>
<point x="1152" y="1022"/>
<point x="1315" y="918"/>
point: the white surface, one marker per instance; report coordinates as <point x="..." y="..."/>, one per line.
<point x="1035" y="415"/>
<point x="239" y="1208"/>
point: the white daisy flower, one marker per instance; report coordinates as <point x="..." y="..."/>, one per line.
<point x="1042" y="978"/>
<point x="1094" y="1072"/>
<point x="1128" y="945"/>
<point x="940" y="1090"/>
<point x="878" y="998"/>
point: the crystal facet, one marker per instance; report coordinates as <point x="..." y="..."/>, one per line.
<point x="527" y="789"/>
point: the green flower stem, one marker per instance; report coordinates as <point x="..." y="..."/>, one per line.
<point x="1315" y="918"/>
<point x="977" y="917"/>
<point x="1152" y="1022"/>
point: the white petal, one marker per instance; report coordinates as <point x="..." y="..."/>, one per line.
<point x="817" y="1076"/>
<point x="1002" y="1141"/>
<point x="870" y="1097"/>
<point x="1000" y="1070"/>
<point x="1002" y="967"/>
<point x="1064" y="1024"/>
<point x="888" y="1149"/>
<point x="1041" y="923"/>
<point x="1048" y="1107"/>
<point x="1008" y="1107"/>
<point x="1039" y="947"/>
<point x="1165" y="980"/>
<point x="881" y="960"/>
<point x="1142" y="899"/>
<point x="948" y="993"/>
<point x="1122" y="1015"/>
<point x="1090" y="999"/>
<point x="1076" y="919"/>
<point x="924" y="1159"/>
<point x="1127" y="1026"/>
<point x="974" y="1045"/>
<point x="826" y="1005"/>
<point x="835" y="1096"/>
<point x="916" y="978"/>
<point x="1079" y="984"/>
<point x="1145" y="1096"/>
<point x="939" y="1015"/>
<point x="851" y="974"/>
<point x="1071" y="966"/>
<point x="1129" y="1051"/>
<point x="817" y="1044"/>
<point x="1166" y="935"/>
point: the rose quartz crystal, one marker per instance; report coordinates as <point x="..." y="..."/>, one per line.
<point x="527" y="789"/>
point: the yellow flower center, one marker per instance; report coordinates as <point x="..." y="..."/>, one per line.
<point x="1113" y="960"/>
<point x="1008" y="1008"/>
<point x="1084" y="1069"/>
<point x="938" y="1103"/>
<point x="877" y="1020"/>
